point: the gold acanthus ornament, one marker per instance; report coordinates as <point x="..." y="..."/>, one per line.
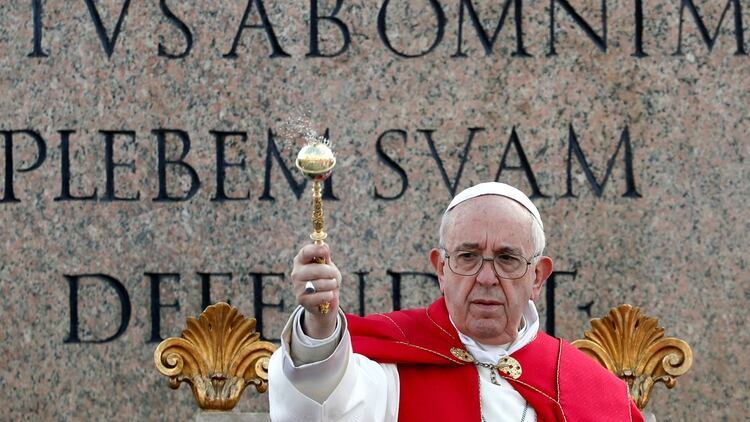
<point x="633" y="347"/>
<point x="219" y="354"/>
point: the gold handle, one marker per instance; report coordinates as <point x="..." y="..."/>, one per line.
<point x="316" y="161"/>
<point x="318" y="220"/>
<point x="319" y="234"/>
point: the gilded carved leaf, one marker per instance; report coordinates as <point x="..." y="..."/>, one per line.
<point x="633" y="347"/>
<point x="219" y="354"/>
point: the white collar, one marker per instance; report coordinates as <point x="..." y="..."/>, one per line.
<point x="488" y="353"/>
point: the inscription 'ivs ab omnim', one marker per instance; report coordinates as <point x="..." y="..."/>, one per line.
<point x="434" y="14"/>
<point x="125" y="140"/>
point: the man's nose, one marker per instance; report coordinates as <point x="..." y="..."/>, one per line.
<point x="486" y="274"/>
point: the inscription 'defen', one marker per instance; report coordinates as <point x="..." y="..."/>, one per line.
<point x="78" y="284"/>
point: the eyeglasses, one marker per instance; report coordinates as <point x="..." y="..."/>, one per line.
<point x="506" y="265"/>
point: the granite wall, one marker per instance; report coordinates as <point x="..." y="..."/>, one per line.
<point x="144" y="173"/>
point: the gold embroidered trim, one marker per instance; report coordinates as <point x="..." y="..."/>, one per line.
<point x="557" y="368"/>
<point x="630" y="410"/>
<point x="533" y="388"/>
<point x="562" y="412"/>
<point x="394" y="323"/>
<point x="406" y="343"/>
<point x="427" y="312"/>
<point x="448" y="358"/>
<point x="557" y="381"/>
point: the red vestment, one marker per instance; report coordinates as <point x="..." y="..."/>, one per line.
<point x="558" y="381"/>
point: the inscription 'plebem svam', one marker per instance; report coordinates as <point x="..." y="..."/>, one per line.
<point x="123" y="140"/>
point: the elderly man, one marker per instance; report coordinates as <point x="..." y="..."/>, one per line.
<point x="476" y="354"/>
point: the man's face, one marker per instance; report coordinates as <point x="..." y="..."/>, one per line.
<point x="484" y="306"/>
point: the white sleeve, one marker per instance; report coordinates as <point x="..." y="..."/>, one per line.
<point x="339" y="386"/>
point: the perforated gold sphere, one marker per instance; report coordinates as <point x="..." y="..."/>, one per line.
<point x="316" y="161"/>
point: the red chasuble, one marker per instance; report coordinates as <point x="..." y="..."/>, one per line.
<point x="557" y="380"/>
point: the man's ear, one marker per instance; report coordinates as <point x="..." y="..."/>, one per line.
<point x="439" y="265"/>
<point x="542" y="271"/>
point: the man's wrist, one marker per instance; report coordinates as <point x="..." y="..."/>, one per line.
<point x="301" y="339"/>
<point x="318" y="326"/>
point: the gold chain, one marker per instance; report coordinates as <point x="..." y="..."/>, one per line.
<point x="493" y="379"/>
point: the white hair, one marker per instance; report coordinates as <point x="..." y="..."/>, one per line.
<point x="538" y="239"/>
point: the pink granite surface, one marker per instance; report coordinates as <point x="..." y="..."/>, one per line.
<point x="679" y="251"/>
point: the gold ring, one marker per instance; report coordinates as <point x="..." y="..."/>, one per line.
<point x="324" y="307"/>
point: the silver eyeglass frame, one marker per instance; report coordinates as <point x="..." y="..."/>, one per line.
<point x="446" y="257"/>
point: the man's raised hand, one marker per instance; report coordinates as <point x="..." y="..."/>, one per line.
<point x="326" y="281"/>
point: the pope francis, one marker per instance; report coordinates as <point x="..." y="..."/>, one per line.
<point x="475" y="354"/>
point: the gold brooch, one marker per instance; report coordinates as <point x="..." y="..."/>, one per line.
<point x="509" y="367"/>
<point x="462" y="355"/>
